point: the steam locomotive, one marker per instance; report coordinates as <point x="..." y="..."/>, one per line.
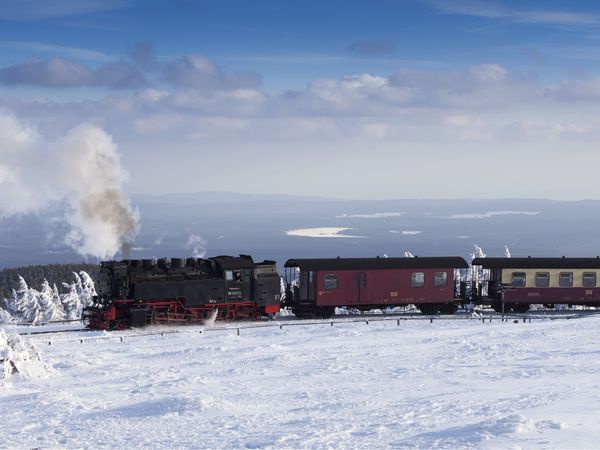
<point x="135" y="293"/>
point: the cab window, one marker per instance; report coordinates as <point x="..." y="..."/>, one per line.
<point x="229" y="275"/>
<point x="330" y="281"/>
<point x="518" y="279"/>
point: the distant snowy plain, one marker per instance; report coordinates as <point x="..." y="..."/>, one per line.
<point x="446" y="384"/>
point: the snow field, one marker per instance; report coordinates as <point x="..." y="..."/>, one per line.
<point x="449" y="384"/>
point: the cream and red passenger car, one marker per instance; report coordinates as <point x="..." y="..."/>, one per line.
<point x="520" y="282"/>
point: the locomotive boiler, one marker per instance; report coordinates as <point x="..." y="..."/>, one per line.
<point x="135" y="293"/>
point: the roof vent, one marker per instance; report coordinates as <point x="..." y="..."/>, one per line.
<point x="563" y="257"/>
<point x="529" y="256"/>
<point x="338" y="257"/>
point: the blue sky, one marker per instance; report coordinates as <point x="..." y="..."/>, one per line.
<point x="402" y="95"/>
<point x="292" y="43"/>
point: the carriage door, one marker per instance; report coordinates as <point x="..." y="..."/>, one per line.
<point x="307" y="287"/>
<point x="362" y="285"/>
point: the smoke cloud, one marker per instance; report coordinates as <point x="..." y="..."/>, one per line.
<point x="197" y="245"/>
<point x="82" y="169"/>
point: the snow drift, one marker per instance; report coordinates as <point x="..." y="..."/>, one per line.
<point x="20" y="358"/>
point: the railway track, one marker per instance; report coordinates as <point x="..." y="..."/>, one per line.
<point x="484" y="315"/>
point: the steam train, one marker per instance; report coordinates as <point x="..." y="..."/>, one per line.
<point x="135" y="293"/>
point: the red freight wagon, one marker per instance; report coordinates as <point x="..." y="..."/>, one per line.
<point x="368" y="283"/>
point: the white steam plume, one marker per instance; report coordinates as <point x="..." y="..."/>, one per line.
<point x="197" y="245"/>
<point x="82" y="168"/>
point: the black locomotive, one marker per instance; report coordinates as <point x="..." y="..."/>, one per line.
<point x="134" y="293"/>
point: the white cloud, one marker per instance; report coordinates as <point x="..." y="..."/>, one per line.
<point x="19" y="10"/>
<point x="194" y="71"/>
<point x="493" y="10"/>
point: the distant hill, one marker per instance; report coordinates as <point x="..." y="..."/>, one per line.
<point x="228" y="223"/>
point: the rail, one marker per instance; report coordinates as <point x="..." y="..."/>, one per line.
<point x="238" y="327"/>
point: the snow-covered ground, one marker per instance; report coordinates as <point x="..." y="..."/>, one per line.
<point x="490" y="214"/>
<point x="322" y="232"/>
<point x="450" y="383"/>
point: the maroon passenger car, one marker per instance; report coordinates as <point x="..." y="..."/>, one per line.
<point x="368" y="283"/>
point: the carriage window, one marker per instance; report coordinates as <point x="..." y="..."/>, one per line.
<point x="565" y="279"/>
<point x="589" y="279"/>
<point x="518" y="279"/>
<point x="417" y="279"/>
<point x="440" y="279"/>
<point x="330" y="281"/>
<point x="542" y="279"/>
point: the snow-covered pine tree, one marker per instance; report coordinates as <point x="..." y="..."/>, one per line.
<point x="70" y="302"/>
<point x="17" y="304"/>
<point x="50" y="311"/>
<point x="35" y="313"/>
<point x="5" y="316"/>
<point x="57" y="302"/>
<point x="88" y="289"/>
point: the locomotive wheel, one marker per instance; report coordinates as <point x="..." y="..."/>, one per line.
<point x="257" y="316"/>
<point x="230" y="315"/>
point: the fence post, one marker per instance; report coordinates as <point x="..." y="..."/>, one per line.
<point x="398" y="322"/>
<point x="238" y="331"/>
